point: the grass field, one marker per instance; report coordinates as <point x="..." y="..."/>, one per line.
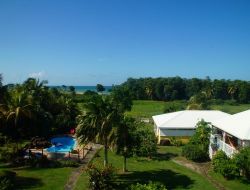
<point x="163" y="170"/>
<point x="146" y="108"/>
<point x="160" y="169"/>
<point x="41" y="179"/>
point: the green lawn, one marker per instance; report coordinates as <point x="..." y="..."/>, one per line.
<point x="232" y="109"/>
<point x="236" y="184"/>
<point x="160" y="169"/>
<point x="147" y="108"/>
<point x="163" y="170"/>
<point x="41" y="179"/>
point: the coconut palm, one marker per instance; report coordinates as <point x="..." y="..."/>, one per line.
<point x="125" y="142"/>
<point x="16" y="111"/>
<point x="97" y="123"/>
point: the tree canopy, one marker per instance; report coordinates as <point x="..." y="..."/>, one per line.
<point x="177" y="88"/>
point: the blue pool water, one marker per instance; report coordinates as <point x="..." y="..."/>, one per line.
<point x="62" y="144"/>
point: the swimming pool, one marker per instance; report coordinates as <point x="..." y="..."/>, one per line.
<point x="62" y="144"/>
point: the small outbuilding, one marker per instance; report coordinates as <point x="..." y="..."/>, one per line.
<point x="183" y="123"/>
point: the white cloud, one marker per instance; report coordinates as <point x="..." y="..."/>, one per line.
<point x="37" y="75"/>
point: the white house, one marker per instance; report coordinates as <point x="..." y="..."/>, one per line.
<point x="230" y="133"/>
<point x="183" y="123"/>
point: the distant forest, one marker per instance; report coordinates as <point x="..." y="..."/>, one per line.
<point x="177" y="88"/>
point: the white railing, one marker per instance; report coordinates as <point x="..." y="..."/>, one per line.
<point x="229" y="150"/>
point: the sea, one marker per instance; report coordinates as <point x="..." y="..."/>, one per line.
<point x="82" y="89"/>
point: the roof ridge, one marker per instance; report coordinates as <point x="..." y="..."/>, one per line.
<point x="180" y="113"/>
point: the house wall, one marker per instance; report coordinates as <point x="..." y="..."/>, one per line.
<point x="245" y="143"/>
<point x="177" y="132"/>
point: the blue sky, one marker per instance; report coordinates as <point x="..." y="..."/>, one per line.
<point x="84" y="42"/>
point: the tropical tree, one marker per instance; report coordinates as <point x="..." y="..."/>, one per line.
<point x="121" y="98"/>
<point x="97" y="123"/>
<point x="18" y="113"/>
<point x="100" y="88"/>
<point x="198" y="102"/>
<point x="125" y="141"/>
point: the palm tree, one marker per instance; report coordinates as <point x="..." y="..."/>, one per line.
<point x="232" y="89"/>
<point x="16" y="111"/>
<point x="97" y="123"/>
<point x="125" y="142"/>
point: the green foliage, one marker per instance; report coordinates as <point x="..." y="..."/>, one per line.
<point x="145" y="140"/>
<point x="198" y="101"/>
<point x="202" y="134"/>
<point x="197" y="148"/>
<point x="101" y="178"/>
<point x="3" y="139"/>
<point x="225" y="166"/>
<point x="176" y="88"/>
<point x="7" y="180"/>
<point x="121" y="98"/>
<point x="88" y="96"/>
<point x="194" y="152"/>
<point x="33" y="109"/>
<point x="242" y="160"/>
<point x="173" y="106"/>
<point x="175" y="141"/>
<point x="125" y="140"/>
<point x="7" y="154"/>
<point x="98" y="121"/>
<point x="150" y="186"/>
<point x="100" y="88"/>
<point x="69" y="163"/>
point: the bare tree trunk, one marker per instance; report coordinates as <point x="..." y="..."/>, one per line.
<point x="105" y="153"/>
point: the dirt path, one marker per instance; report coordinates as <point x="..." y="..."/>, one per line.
<point x="201" y="168"/>
<point x="78" y="171"/>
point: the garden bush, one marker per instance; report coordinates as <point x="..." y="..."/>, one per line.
<point x="195" y="153"/>
<point x="101" y="178"/>
<point x="225" y="166"/>
<point x="243" y="161"/>
<point x="7" y="180"/>
<point x="173" y="106"/>
<point x="175" y="141"/>
<point x="150" y="186"/>
<point x="69" y="163"/>
<point x="145" y="141"/>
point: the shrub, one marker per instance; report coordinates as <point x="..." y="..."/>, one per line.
<point x="175" y="142"/>
<point x="7" y="180"/>
<point x="225" y="166"/>
<point x="194" y="152"/>
<point x="69" y="163"/>
<point x="3" y="139"/>
<point x="101" y="179"/>
<point x="197" y="148"/>
<point x="43" y="162"/>
<point x="144" y="140"/>
<point x="243" y="161"/>
<point x="150" y="186"/>
<point x="173" y="106"/>
<point x="6" y="155"/>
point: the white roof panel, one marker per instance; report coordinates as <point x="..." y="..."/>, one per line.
<point x="237" y="125"/>
<point x="187" y="119"/>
